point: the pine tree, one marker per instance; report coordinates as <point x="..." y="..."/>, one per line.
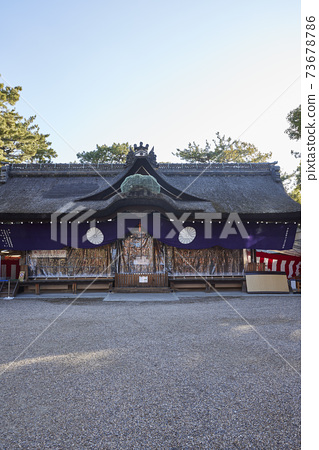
<point x="116" y="153"/>
<point x="20" y="139"/>
<point x="223" y="150"/>
<point x="293" y="180"/>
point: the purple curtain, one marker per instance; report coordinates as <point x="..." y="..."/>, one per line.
<point x="38" y="236"/>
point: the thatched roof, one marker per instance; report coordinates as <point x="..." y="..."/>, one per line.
<point x="34" y="191"/>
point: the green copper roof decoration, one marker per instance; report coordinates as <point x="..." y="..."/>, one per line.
<point x="139" y="182"/>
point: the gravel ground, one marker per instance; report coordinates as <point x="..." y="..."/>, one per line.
<point x="184" y="374"/>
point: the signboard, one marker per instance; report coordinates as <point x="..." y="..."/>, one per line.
<point x="271" y="282"/>
<point x="143" y="279"/>
<point x="21" y="275"/>
<point x="48" y="254"/>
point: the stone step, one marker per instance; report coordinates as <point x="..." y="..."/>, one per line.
<point x="141" y="289"/>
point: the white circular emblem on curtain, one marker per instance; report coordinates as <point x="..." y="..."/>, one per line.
<point x="95" y="236"/>
<point x="187" y="235"/>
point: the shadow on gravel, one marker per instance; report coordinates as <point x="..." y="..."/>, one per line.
<point x="215" y="298"/>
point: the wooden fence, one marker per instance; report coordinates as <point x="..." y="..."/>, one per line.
<point x="255" y="267"/>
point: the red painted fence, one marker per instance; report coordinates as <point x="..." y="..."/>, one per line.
<point x="281" y="263"/>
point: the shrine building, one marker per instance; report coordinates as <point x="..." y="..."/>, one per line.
<point x="141" y="224"/>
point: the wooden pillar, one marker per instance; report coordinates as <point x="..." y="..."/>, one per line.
<point x="253" y="255"/>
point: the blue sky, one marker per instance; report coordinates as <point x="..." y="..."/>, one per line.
<point x="162" y="72"/>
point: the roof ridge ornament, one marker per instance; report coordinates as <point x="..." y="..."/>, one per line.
<point x="141" y="151"/>
<point x="4" y="173"/>
<point x="275" y="172"/>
